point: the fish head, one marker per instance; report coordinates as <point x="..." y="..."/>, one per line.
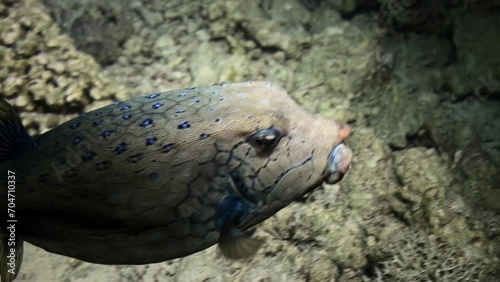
<point x="283" y="152"/>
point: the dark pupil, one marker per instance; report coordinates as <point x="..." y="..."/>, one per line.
<point x="266" y="138"/>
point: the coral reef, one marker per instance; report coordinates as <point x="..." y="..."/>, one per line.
<point x="417" y="80"/>
<point x="421" y="257"/>
<point x="99" y="28"/>
<point x="41" y="70"/>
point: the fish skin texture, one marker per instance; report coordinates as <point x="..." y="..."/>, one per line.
<point x="141" y="181"/>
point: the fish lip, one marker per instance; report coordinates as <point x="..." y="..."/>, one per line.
<point x="338" y="163"/>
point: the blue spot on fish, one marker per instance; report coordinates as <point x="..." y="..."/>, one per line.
<point x="222" y="84"/>
<point x="218" y="119"/>
<point x="151" y="141"/>
<point x="222" y="99"/>
<point x="117" y="103"/>
<point x="212" y="109"/>
<point x="146" y="122"/>
<point x="97" y="122"/>
<point x="152" y="96"/>
<point x="156" y="105"/>
<point x="106" y="133"/>
<point x="167" y="148"/>
<point x="74" y="125"/>
<point x="184" y="125"/>
<point x="125" y="117"/>
<point x="215" y="91"/>
<point x="87" y="156"/>
<point x="268" y="84"/>
<point x="180" y="111"/>
<point x="76" y="140"/>
<point x="196" y="100"/>
<point x="121" y="148"/>
<point x="182" y="94"/>
<point x="126" y="107"/>
<point x="204" y="136"/>
<point x="154" y="176"/>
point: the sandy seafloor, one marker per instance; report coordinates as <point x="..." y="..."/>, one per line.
<point x="418" y="81"/>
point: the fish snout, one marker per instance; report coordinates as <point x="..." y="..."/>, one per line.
<point x="338" y="163"/>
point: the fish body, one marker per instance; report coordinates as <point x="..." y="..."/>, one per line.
<point x="169" y="174"/>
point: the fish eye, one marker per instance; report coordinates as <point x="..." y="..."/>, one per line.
<point x="266" y="139"/>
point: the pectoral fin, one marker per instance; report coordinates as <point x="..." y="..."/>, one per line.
<point x="235" y="244"/>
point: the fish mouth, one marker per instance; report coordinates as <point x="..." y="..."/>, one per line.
<point x="338" y="163"/>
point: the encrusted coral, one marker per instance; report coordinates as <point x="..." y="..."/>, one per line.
<point x="99" y="28"/>
<point x="418" y="256"/>
<point x="41" y="69"/>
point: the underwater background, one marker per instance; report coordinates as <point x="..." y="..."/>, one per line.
<point x="417" y="80"/>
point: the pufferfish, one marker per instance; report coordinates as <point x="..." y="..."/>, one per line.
<point x="165" y="175"/>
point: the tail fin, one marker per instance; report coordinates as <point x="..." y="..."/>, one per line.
<point x="11" y="251"/>
<point x="14" y="139"/>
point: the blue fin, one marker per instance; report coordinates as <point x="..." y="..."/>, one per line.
<point x="14" y="138"/>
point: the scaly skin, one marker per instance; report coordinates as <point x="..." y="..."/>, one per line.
<point x="84" y="194"/>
